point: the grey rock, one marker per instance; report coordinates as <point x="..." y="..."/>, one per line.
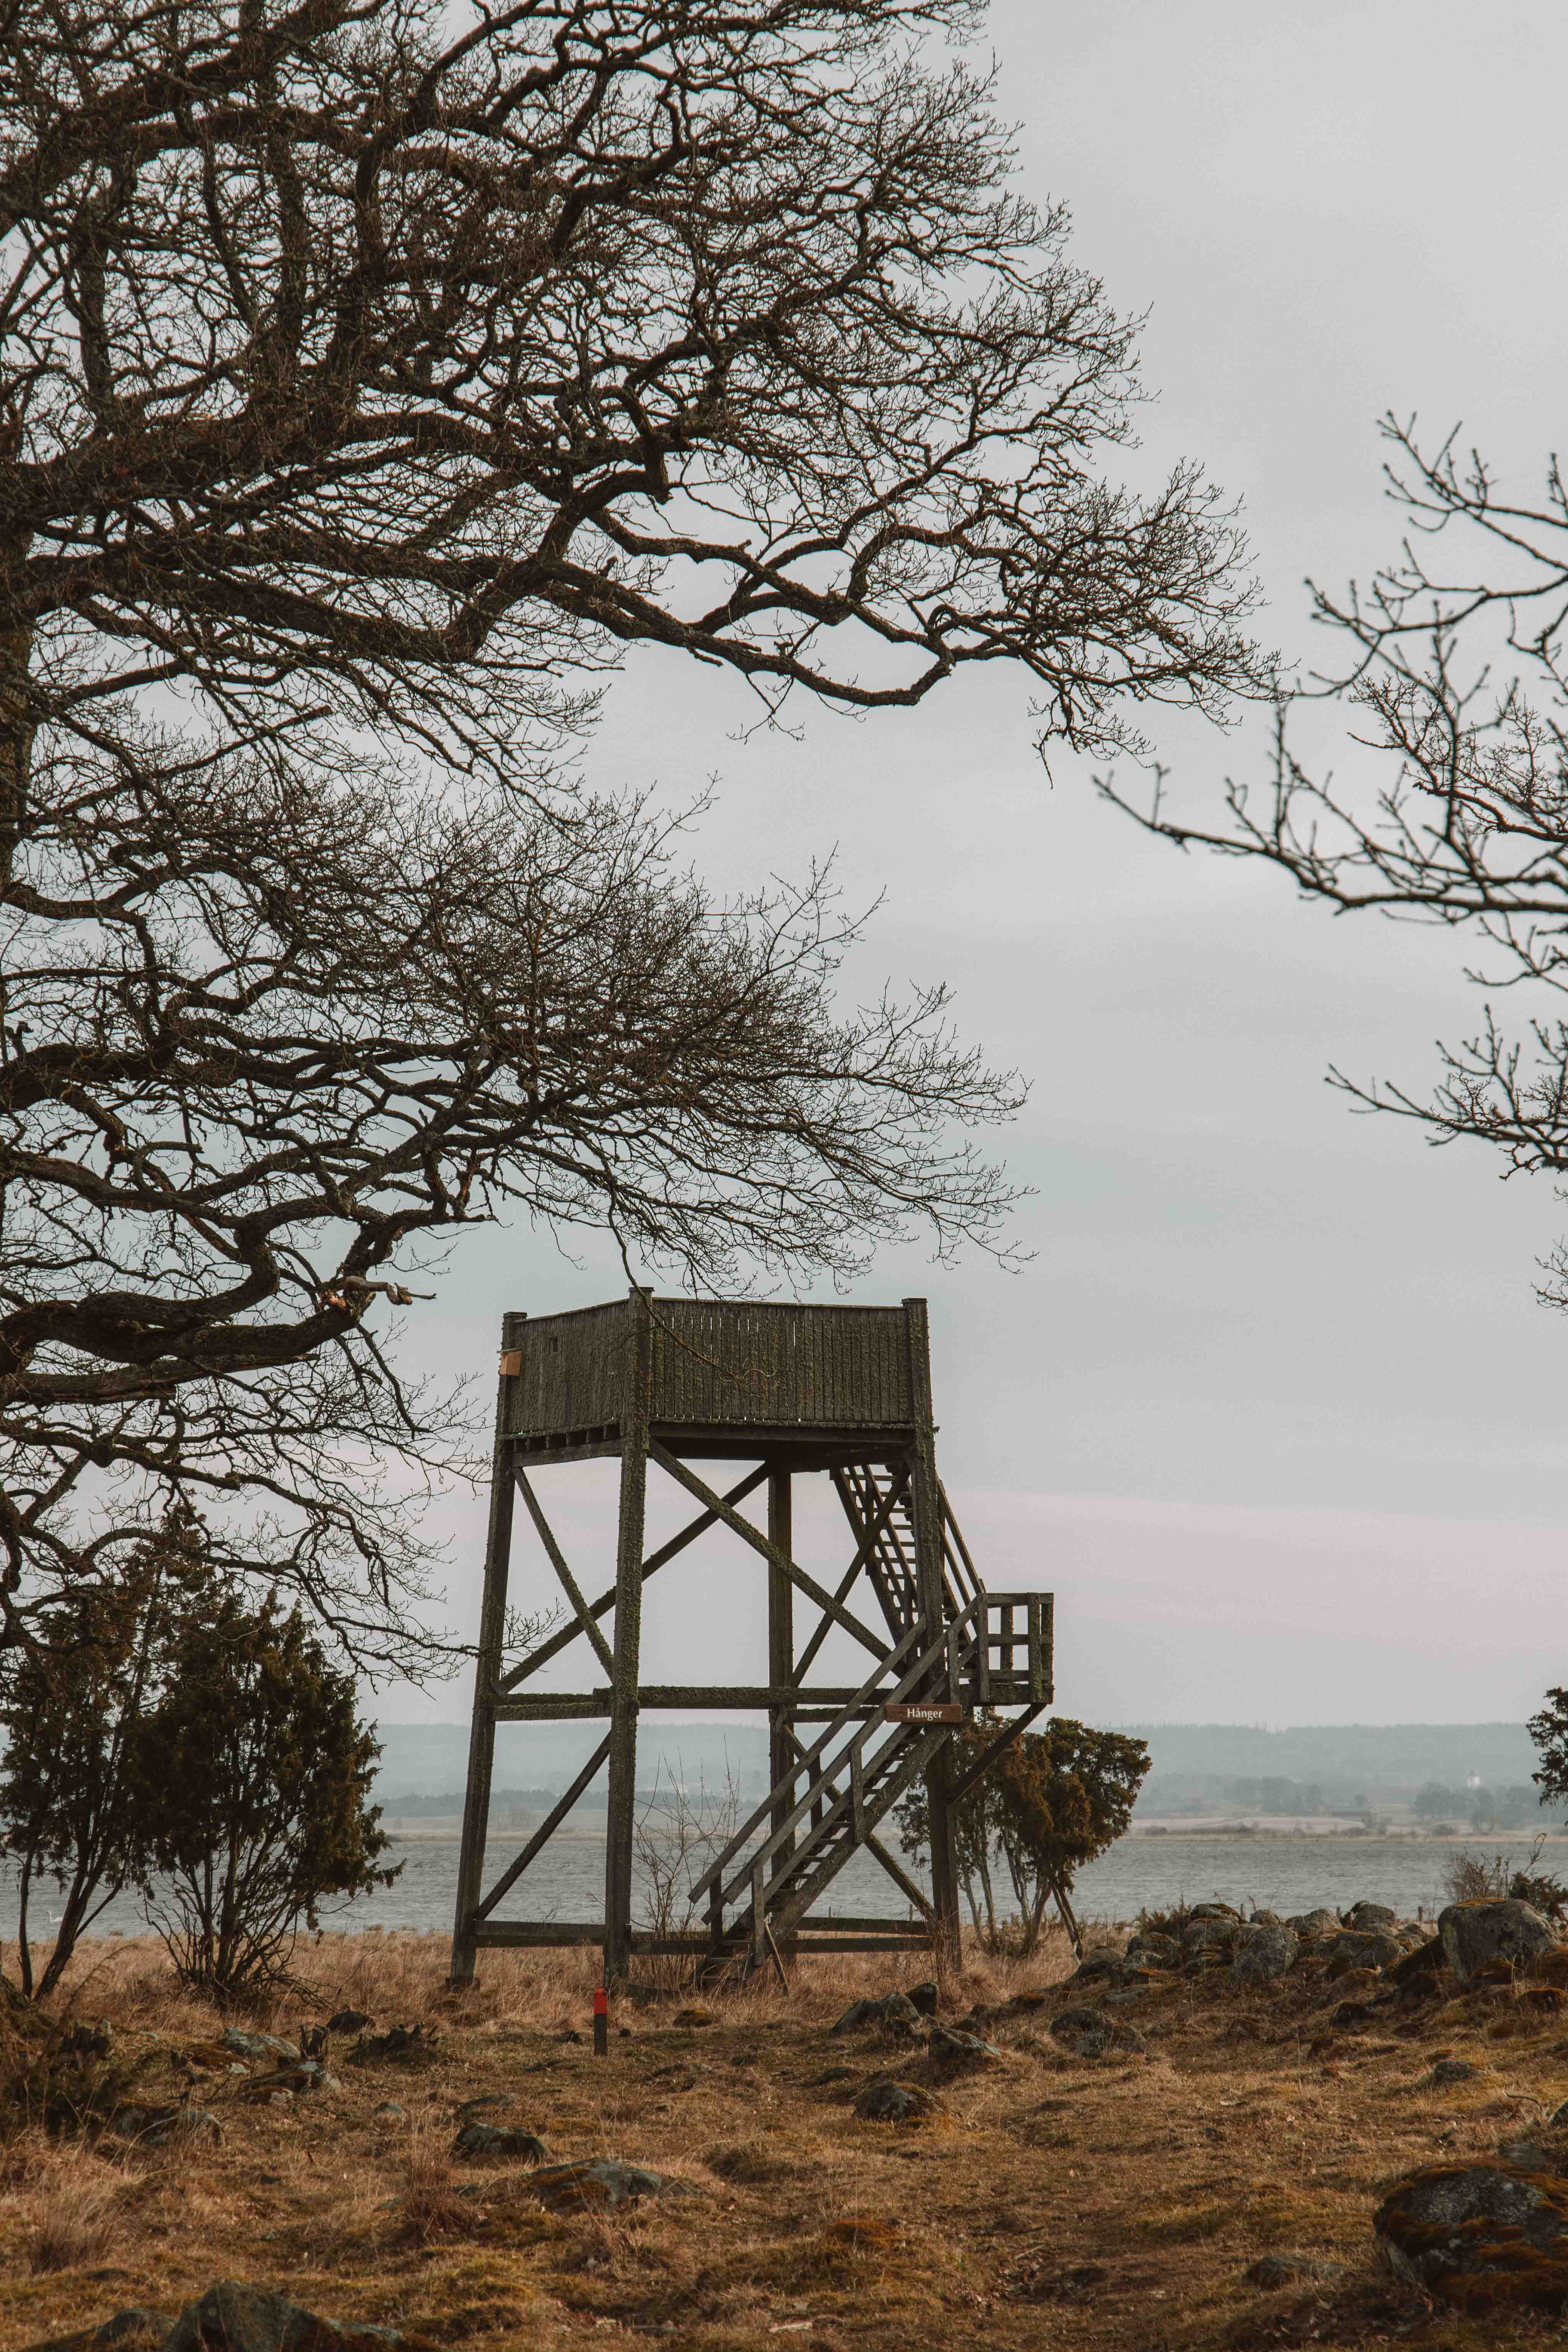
<point x="1315" y="1923"/>
<point x="349" y="2021"/>
<point x="1364" y="1947"/>
<point x="1474" y="1933"/>
<point x="391" y="2109"/>
<point x="1558" y="2119"/>
<point x="1098" y="1964"/>
<point x="924" y="1997"/>
<point x="956" y="2048"/>
<point x="498" y="2139"/>
<point x="1420" y="1964"/>
<point x="136" y="2329"/>
<point x="1470" y="2219"/>
<point x="1207" y="1934"/>
<point x="1152" y="1951"/>
<point x="256" y="2045"/>
<point x="1287" y="2270"/>
<point x="234" y="2318"/>
<point x="579" y="2188"/>
<point x="1530" y="2156"/>
<point x="1449" y="2071"/>
<point x="1264" y="1953"/>
<point x="1215" y="1911"/>
<point x="1371" y="1915"/>
<point x="896" y="2010"/>
<point x="894" y="2103"/>
<point x="1089" y="2033"/>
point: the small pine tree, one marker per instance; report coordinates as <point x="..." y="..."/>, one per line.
<point x="1049" y="1803"/>
<point x="71" y="1708"/>
<point x="253" y="1773"/>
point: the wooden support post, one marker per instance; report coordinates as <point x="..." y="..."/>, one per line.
<point x="619" y="1824"/>
<point x="486" y="1674"/>
<point x="781" y="1640"/>
<point x="926" y="1496"/>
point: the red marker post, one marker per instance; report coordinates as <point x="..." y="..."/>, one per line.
<point x="601" y="2023"/>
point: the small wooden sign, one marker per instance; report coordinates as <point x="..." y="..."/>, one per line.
<point x="922" y="1710"/>
<point x="511" y="1363"/>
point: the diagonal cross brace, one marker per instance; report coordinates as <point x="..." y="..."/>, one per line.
<point x="867" y="1542"/>
<point x="569" y="1583"/>
<point x="769" y="1550"/>
<point x="546" y="1832"/>
<point x="606" y="1600"/>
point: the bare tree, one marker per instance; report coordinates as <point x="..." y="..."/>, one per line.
<point x="353" y="362"/>
<point x="270" y="1044"/>
<point x="365" y="387"/>
<point x="1454" y="806"/>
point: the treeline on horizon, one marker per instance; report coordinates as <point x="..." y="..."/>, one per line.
<point x="1233" y="1767"/>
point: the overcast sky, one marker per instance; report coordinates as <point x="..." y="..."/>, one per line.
<point x="1272" y="1410"/>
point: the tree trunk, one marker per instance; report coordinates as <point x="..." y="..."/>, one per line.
<point x="17" y="715"/>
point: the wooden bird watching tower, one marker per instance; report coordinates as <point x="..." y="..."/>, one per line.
<point x="843" y="1391"/>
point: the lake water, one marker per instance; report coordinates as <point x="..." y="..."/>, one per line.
<point x="1283" y="1874"/>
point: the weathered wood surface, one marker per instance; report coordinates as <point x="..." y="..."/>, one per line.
<point x="661" y="1384"/>
<point x="717" y="1363"/>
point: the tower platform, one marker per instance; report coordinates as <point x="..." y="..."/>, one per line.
<point x="839" y="1392"/>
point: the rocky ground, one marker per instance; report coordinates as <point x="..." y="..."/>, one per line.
<point x="1216" y="2133"/>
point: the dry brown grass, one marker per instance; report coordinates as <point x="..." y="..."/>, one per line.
<point x="71" y="2206"/>
<point x="1053" y="2203"/>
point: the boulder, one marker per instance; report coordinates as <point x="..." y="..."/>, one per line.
<point x="1419" y="1966"/>
<point x="256" y="2045"/>
<point x="589" y="2188"/>
<point x="1536" y="2152"/>
<point x="412" y="2043"/>
<point x="498" y="2139"/>
<point x="349" y="2020"/>
<point x="695" y="2015"/>
<point x="1101" y="1963"/>
<point x="1371" y="1915"/>
<point x="1364" y="1947"/>
<point x="232" y="2318"/>
<point x="1315" y="1923"/>
<point x="134" y="2330"/>
<point x="956" y="2048"/>
<point x="1200" y="1936"/>
<point x="1287" y="2270"/>
<point x="1263" y="1954"/>
<point x="895" y="2010"/>
<point x="1089" y="2033"/>
<point x="304" y="2074"/>
<point x="895" y="2103"/>
<point x="1148" y="1951"/>
<point x="1474" y="1933"/>
<point x="1216" y="1911"/>
<point x="1449" y="2071"/>
<point x="924" y="1997"/>
<point x="1479" y="2235"/>
<point x="163" y="2127"/>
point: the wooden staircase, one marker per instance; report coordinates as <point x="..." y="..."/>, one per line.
<point x="993" y="1653"/>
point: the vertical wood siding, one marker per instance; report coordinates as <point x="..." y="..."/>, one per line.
<point x="719" y="1363"/>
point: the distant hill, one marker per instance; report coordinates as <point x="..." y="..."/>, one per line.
<point x="1226" y="1764"/>
<point x="427" y="1759"/>
<point x="1347" y="1765"/>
